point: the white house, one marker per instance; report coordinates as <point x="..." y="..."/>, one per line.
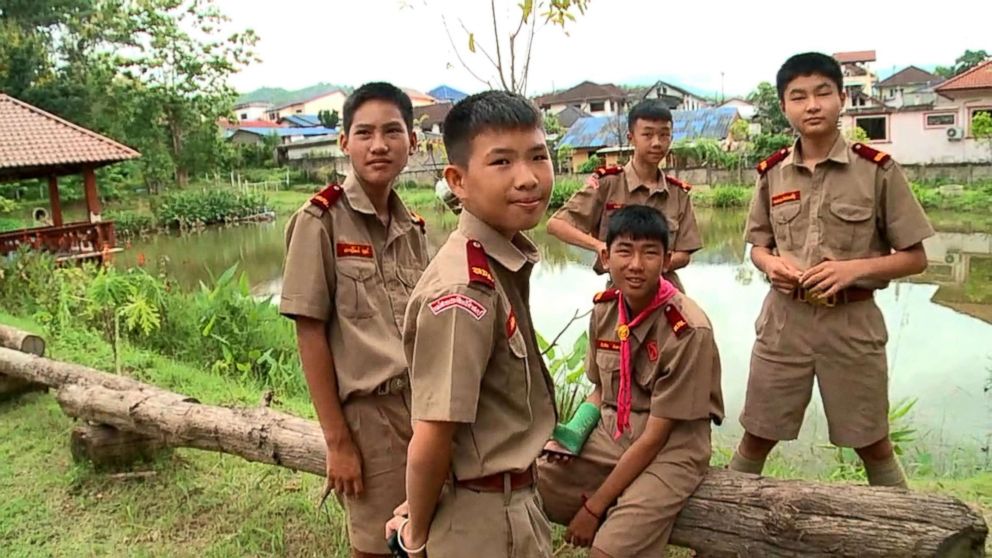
<point x="592" y="98"/>
<point x="859" y="79"/>
<point x="909" y="87"/>
<point x="932" y="133"/>
<point x="675" y="97"/>
<point x="745" y="108"/>
<point x="254" y="110"/>
<point x="329" y="100"/>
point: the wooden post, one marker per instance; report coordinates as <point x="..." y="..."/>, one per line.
<point x="92" y="197"/>
<point x="55" y="202"/>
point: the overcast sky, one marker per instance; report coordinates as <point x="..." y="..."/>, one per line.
<point x="303" y="42"/>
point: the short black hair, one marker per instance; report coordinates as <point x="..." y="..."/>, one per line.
<point x="637" y="222"/>
<point x="648" y="109"/>
<point x="489" y="110"/>
<point x="807" y="64"/>
<point x="377" y="91"/>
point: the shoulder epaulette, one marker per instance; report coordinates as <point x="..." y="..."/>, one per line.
<point x="419" y="221"/>
<point x="607" y="295"/>
<point x="676" y="320"/>
<point x="681" y="184"/>
<point x="478" y="265"/>
<point x="873" y="155"/>
<point x="770" y="162"/>
<point x="326" y="198"/>
<point x="608" y="171"/>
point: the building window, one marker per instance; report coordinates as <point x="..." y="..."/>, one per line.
<point x="598" y="106"/>
<point x="244" y="116"/>
<point x="877" y="127"/>
<point x="940" y="120"/>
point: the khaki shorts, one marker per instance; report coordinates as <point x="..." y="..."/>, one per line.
<point x="380" y="426"/>
<point x="489" y="525"/>
<point x="640" y="522"/>
<point x="842" y="347"/>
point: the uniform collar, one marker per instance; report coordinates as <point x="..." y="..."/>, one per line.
<point x="359" y="200"/>
<point x="634" y="181"/>
<point x="838" y="152"/>
<point x="512" y="255"/>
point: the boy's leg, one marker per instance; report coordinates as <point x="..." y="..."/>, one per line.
<point x="380" y="427"/>
<point x="641" y="522"/>
<point x="853" y="378"/>
<point x="780" y="384"/>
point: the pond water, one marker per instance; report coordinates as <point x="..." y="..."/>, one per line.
<point x="940" y="324"/>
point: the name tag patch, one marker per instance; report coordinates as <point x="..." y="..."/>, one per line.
<point x="346" y="250"/>
<point x="785" y="197"/>
<point x="457" y="300"/>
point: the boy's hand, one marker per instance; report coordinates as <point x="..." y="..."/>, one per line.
<point x="593" y="181"/>
<point x="830" y="277"/>
<point x="344" y="468"/>
<point x="582" y="530"/>
<point x="784" y="276"/>
<point x="557" y="453"/>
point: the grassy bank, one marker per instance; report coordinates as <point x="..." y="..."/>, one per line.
<point x="195" y="503"/>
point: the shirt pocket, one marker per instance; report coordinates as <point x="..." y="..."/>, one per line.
<point x="356" y="283"/>
<point x="608" y="363"/>
<point x="786" y="225"/>
<point x="399" y="291"/>
<point x="850" y="228"/>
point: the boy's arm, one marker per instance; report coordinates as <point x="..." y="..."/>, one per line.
<point x="428" y="466"/>
<point x="578" y="218"/>
<point x="688" y="240"/>
<point x="632" y="463"/>
<point x="782" y="273"/>
<point x="307" y="297"/>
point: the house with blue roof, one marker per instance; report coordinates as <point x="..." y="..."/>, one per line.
<point x="300" y="120"/>
<point x="445" y="93"/>
<point x="602" y="134"/>
<point x="255" y="136"/>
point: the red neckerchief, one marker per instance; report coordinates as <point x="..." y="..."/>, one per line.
<point x="665" y="292"/>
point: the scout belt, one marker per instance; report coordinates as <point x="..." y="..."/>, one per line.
<point x="850" y="294"/>
<point x="500" y="482"/>
<point x="393" y="385"/>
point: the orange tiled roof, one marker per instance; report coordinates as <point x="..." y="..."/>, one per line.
<point x="978" y="77"/>
<point x="33" y="138"/>
<point x="855" y="56"/>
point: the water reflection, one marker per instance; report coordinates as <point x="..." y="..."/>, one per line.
<point x="940" y="347"/>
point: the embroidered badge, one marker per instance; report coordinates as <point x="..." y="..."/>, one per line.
<point x="610" y="205"/>
<point x="457" y="300"/>
<point x="511" y="324"/>
<point x="608" y="345"/>
<point x="652" y="349"/>
<point x="346" y="250"/>
<point x="676" y="320"/>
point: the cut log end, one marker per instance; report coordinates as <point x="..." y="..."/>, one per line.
<point x="108" y="448"/>
<point x="23" y="341"/>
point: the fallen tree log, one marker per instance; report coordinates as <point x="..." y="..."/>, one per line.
<point x="24" y="342"/>
<point x="730" y="515"/>
<point x="12" y="338"/>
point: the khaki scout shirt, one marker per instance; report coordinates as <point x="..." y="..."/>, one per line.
<point x="674" y="376"/>
<point x="848" y="208"/>
<point x="473" y="354"/>
<point x="345" y="268"/>
<point x="590" y="208"/>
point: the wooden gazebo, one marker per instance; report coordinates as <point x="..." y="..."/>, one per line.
<point x="37" y="144"/>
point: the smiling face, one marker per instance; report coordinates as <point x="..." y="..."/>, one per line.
<point x="506" y="180"/>
<point x="812" y="103"/>
<point x="635" y="266"/>
<point x="378" y="142"/>
<point x="651" y="140"/>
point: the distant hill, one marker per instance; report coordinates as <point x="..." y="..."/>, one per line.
<point x="279" y="96"/>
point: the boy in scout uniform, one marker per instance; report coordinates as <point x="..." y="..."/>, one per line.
<point x="483" y="401"/>
<point x="584" y="218"/>
<point x="354" y="253"/>
<point x="831" y="222"/>
<point x="656" y="371"/>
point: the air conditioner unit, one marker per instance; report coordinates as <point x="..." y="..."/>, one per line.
<point x="955" y="134"/>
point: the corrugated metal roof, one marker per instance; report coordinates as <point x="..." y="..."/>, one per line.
<point x="445" y="93"/>
<point x="33" y="138"/>
<point x="302" y="120"/>
<point x="601" y="131"/>
<point x="288" y="132"/>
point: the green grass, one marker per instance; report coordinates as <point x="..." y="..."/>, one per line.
<point x="723" y="196"/>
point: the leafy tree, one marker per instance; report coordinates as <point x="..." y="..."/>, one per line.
<point x="966" y="61"/>
<point x="857" y="133"/>
<point x="769" y="109"/>
<point x="329" y="118"/>
<point x="766" y="144"/>
<point x="981" y="128"/>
